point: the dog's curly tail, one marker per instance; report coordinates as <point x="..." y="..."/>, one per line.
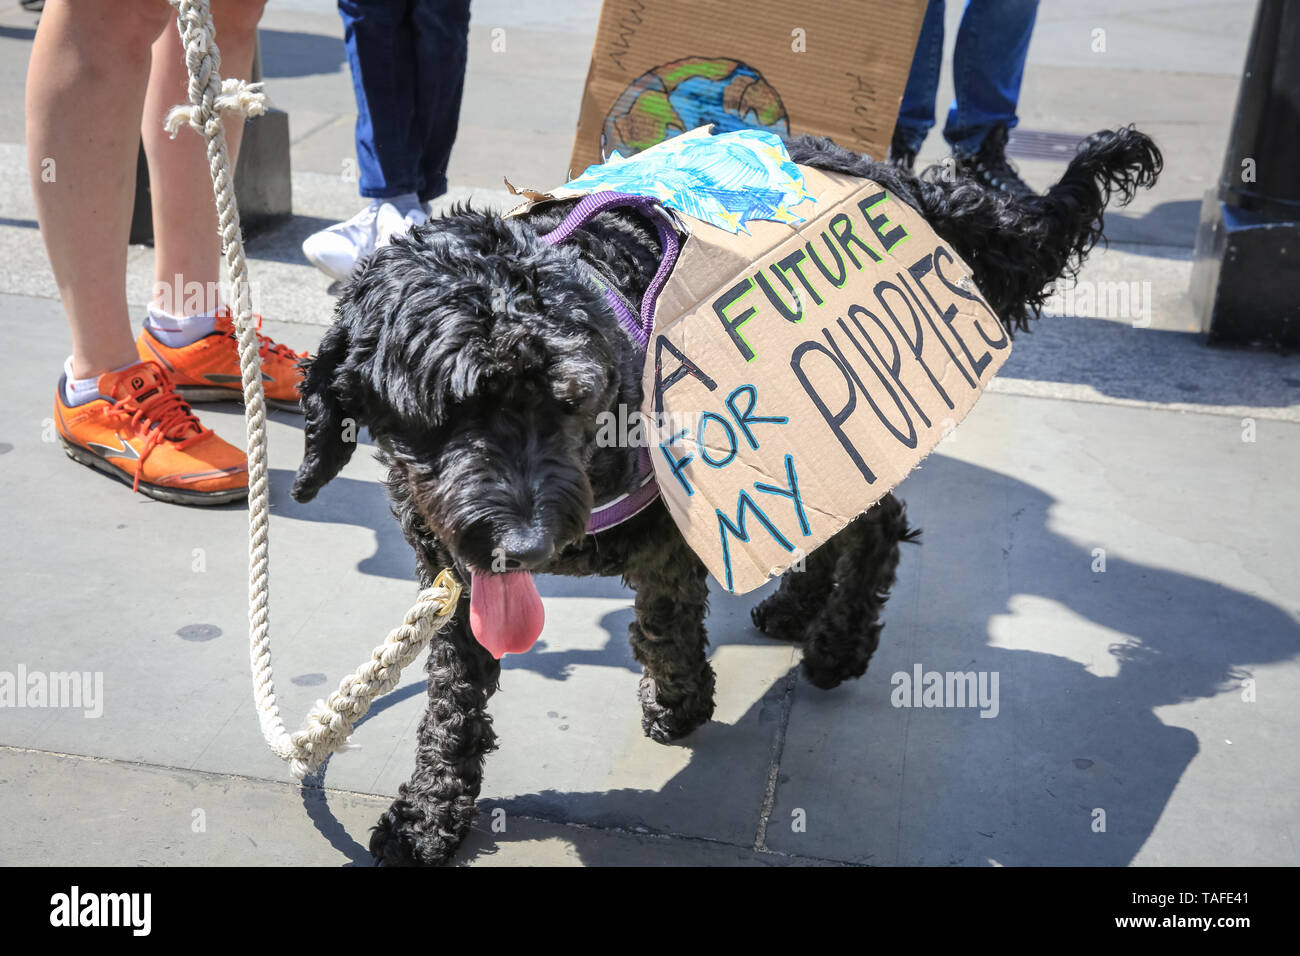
<point x="1019" y="247"/>
<point x="1109" y="164"/>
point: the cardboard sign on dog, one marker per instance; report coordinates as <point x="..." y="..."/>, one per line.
<point x="815" y="341"/>
<point x="799" y="374"/>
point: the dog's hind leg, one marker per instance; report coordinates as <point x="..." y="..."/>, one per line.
<point x="784" y="615"/>
<point x="435" y="809"/>
<point x="845" y="632"/>
<point x="669" y="639"/>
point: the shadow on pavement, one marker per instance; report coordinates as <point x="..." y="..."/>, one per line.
<point x="941" y="786"/>
<point x="351" y="501"/>
<point x="289" y="53"/>
<point x="282" y="241"/>
<point x="1151" y="365"/>
<point x="1167" y="224"/>
<point x="1021" y="790"/>
<point x="17" y="33"/>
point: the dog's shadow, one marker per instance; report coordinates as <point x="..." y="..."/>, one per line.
<point x="350" y="501"/>
<point x="1077" y="767"/>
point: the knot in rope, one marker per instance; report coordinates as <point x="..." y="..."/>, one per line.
<point x="236" y="96"/>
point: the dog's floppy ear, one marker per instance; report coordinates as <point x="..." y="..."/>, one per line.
<point x="332" y="412"/>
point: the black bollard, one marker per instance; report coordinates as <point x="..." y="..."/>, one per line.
<point x="1246" y="277"/>
<point x="262" y="174"/>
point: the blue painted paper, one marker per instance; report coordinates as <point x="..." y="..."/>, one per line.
<point x="726" y="180"/>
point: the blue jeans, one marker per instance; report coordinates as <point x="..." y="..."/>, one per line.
<point x="987" y="67"/>
<point x="408" y="69"/>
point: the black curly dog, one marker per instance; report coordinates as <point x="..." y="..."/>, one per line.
<point x="480" y="359"/>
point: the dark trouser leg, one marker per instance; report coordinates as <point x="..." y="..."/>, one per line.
<point x="916" y="112"/>
<point x="988" y="64"/>
<point x="441" y="35"/>
<point x="382" y="55"/>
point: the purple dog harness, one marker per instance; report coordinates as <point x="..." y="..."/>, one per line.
<point x="617" y="510"/>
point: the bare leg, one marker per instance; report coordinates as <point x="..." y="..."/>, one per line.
<point x="85" y="88"/>
<point x="184" y="213"/>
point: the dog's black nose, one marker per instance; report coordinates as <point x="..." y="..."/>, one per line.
<point x="525" y="551"/>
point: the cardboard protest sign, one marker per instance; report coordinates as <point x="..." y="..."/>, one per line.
<point x="815" y="340"/>
<point x="797" y="374"/>
<point x="822" y="66"/>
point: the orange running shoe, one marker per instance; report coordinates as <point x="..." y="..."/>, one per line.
<point x="142" y="432"/>
<point x="208" y="370"/>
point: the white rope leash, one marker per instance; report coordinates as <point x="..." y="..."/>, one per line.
<point x="330" y="723"/>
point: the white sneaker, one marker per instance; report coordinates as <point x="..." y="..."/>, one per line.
<point x="390" y="222"/>
<point x="336" y="251"/>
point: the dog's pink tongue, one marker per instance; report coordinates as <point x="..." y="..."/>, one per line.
<point x="505" y="612"/>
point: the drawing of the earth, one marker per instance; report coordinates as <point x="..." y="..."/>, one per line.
<point x="689" y="93"/>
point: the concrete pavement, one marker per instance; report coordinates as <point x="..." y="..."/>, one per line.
<point x="1111" y="532"/>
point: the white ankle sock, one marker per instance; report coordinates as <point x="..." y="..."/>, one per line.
<point x="78" y="391"/>
<point x="405" y="203"/>
<point x="176" y="331"/>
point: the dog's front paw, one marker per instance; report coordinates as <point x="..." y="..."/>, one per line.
<point x="664" y="722"/>
<point x="405" y="836"/>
